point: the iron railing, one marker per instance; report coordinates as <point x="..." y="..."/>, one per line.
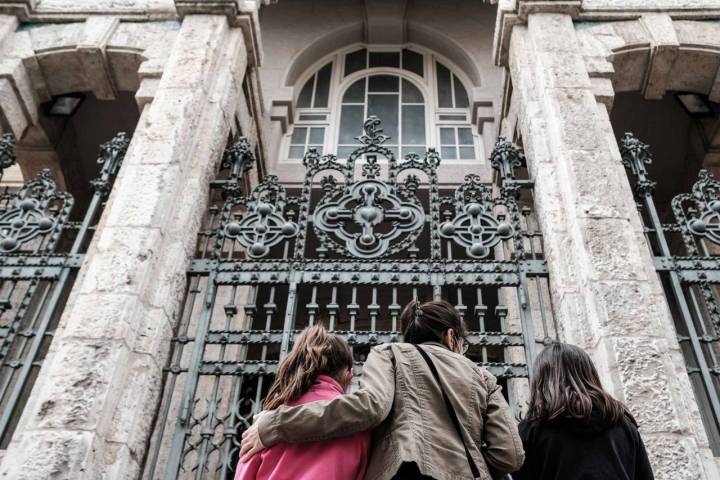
<point x="41" y="249"/>
<point x="357" y="240"/>
<point x="686" y="250"/>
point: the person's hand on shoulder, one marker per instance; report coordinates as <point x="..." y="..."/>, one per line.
<point x="251" y="443"/>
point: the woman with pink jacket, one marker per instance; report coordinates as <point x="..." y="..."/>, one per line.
<point x="319" y="367"/>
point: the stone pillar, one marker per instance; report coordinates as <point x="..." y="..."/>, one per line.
<point x="606" y="293"/>
<point x="91" y="411"/>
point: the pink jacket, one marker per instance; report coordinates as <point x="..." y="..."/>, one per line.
<point x="343" y="458"/>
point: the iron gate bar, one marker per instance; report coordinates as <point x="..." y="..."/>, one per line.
<point x="679" y="269"/>
<point x="49" y="265"/>
<point x="343" y="251"/>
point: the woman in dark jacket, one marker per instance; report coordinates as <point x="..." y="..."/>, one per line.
<point x="573" y="428"/>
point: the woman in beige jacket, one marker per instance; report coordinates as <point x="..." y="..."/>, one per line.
<point x="433" y="412"/>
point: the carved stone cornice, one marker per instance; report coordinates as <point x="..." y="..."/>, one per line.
<point x="516" y="12"/>
<point x="240" y="13"/>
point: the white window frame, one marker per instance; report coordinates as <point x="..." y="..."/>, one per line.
<point x="427" y="85"/>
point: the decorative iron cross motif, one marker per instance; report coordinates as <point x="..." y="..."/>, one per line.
<point x="32" y="214"/>
<point x="705" y="200"/>
<point x="263" y="225"/>
<point x="260" y="230"/>
<point x="368" y="204"/>
<point x="476" y="228"/>
<point x="708" y="224"/>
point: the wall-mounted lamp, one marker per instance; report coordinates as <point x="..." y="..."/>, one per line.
<point x="697" y="106"/>
<point x="65" y="105"/>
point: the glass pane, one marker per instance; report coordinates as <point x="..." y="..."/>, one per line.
<point x="319" y="148"/>
<point x="460" y="118"/>
<point x="411" y="94"/>
<point x="467" y="153"/>
<point x="384" y="83"/>
<point x="413" y="125"/>
<point x="314" y="118"/>
<point x="355" y="92"/>
<point x="461" y="96"/>
<point x="465" y="136"/>
<point x="385" y="107"/>
<point x="323" y="86"/>
<point x="344" y="152"/>
<point x="412" y="61"/>
<point x="448" y="153"/>
<point x="444" y="88"/>
<point x="296" y="152"/>
<point x="306" y="94"/>
<point x="447" y="136"/>
<point x="351" y="120"/>
<point x="385" y="59"/>
<point x="355" y="61"/>
<point x="317" y="135"/>
<point x="408" y="150"/>
<point x="298" y="136"/>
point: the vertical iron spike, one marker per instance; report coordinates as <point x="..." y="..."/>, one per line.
<point x="505" y="157"/>
<point x="635" y="155"/>
<point x="110" y="157"/>
<point x="239" y="158"/>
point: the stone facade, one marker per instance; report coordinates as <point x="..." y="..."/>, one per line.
<point x="543" y="72"/>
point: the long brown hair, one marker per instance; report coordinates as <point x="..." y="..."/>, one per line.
<point x="428" y="321"/>
<point x="566" y="385"/>
<point x="316" y="352"/>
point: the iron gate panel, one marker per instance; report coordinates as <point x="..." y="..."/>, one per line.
<point x="686" y="252"/>
<point x="43" y="239"/>
<point x="358" y="240"/>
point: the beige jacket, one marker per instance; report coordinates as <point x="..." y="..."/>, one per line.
<point x="400" y="399"/>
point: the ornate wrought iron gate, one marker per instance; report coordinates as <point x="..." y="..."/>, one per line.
<point x="348" y="248"/>
<point x="686" y="251"/>
<point x="42" y="244"/>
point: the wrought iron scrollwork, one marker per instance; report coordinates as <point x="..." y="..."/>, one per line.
<point x="38" y="210"/>
<point x="476" y="226"/>
<point x="112" y="154"/>
<point x="361" y="238"/>
<point x="690" y="269"/>
<point x="7" y="152"/>
<point x="262" y="225"/>
<point x="698" y="213"/>
<point x="370" y="218"/>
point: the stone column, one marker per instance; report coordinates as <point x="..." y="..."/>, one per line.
<point x="606" y="293"/>
<point x="91" y="410"/>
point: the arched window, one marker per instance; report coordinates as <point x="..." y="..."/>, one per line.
<point x="396" y="101"/>
<point x="421" y="101"/>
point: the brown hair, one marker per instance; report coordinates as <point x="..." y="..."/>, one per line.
<point x="316" y="352"/>
<point x="566" y="385"/>
<point x="428" y="321"/>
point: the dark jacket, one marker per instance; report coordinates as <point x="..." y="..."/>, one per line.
<point x="570" y="449"/>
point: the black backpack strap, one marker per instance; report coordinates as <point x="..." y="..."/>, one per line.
<point x="451" y="410"/>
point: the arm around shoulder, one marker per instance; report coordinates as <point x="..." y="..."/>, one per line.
<point x="344" y="415"/>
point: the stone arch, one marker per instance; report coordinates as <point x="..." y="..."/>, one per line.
<point x="101" y="56"/>
<point x="352" y="33"/>
<point x="652" y="54"/>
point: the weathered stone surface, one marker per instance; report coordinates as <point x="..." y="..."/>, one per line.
<point x="103" y="378"/>
<point x="606" y="295"/>
<point x="65" y="454"/>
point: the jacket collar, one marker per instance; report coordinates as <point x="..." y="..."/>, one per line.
<point x="436" y="344"/>
<point x="327" y="382"/>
